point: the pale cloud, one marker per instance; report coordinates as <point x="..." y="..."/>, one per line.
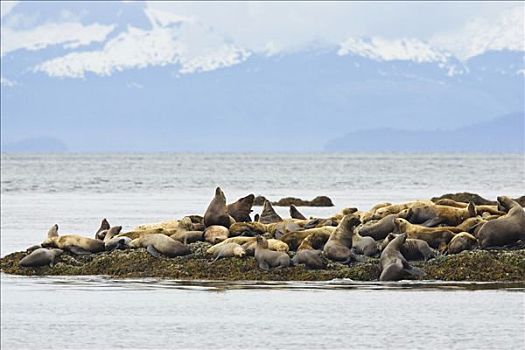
<point x="6" y="7"/>
<point x="7" y="83"/>
<point x="69" y="34"/>
<point x="194" y="47"/>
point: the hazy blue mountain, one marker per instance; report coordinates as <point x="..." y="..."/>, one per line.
<point x="503" y="134"/>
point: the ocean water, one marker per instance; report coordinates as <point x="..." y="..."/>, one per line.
<point x="76" y="191"/>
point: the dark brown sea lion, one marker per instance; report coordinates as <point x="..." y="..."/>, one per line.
<point x="157" y="244"/>
<point x="279" y="229"/>
<point x="267" y="259"/>
<point x="432" y="214"/>
<point x="507" y="229"/>
<point x="74" y="243"/>
<point x="393" y="264"/>
<point x="338" y="247"/>
<point x="217" y="213"/>
<point x="412" y="249"/>
<point x="294" y="239"/>
<point x="380" y="229"/>
<point x="296" y="214"/>
<point x="104" y="225"/>
<point x="241" y="209"/>
<point x="249" y="229"/>
<point x="436" y="237"/>
<point x="314" y="241"/>
<point x="41" y="257"/>
<point x="460" y="242"/>
<point x="310" y="258"/>
<point x="111" y="242"/>
<point x="268" y="214"/>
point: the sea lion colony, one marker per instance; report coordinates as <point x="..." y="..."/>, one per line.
<point x="394" y="233"/>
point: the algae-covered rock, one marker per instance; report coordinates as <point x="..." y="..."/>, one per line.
<point x="478" y="265"/>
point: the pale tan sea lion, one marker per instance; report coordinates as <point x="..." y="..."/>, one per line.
<point x="187" y="237"/>
<point x="228" y="250"/>
<point x="268" y="214"/>
<point x="396" y="208"/>
<point x="480" y="209"/>
<point x="74" y="243"/>
<point x="267" y="259"/>
<point x="241" y="209"/>
<point x="507" y="229"/>
<point x="460" y="242"/>
<point x="217" y="212"/>
<point x="338" y="247"/>
<point x="41" y="257"/>
<point x="273" y="244"/>
<point x="215" y="234"/>
<point x="392" y="264"/>
<point x="432" y="214"/>
<point x="157" y="244"/>
<point x="436" y="237"/>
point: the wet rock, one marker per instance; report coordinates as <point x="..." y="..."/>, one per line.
<point x="319" y="201"/>
<point x="465" y="197"/>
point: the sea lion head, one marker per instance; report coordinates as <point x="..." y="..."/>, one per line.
<point x="185" y="223"/>
<point x="262" y="242"/>
<point x="506" y="203"/>
<point x="53" y="231"/>
<point x="239" y="251"/>
<point x="219" y="194"/>
<point x="398" y="241"/>
<point x="350" y="221"/>
<point x="401" y="224"/>
<point x="347" y="211"/>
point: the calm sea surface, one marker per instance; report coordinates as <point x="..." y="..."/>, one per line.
<point x="76" y="191"/>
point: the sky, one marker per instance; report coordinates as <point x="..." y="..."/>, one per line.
<point x="65" y="46"/>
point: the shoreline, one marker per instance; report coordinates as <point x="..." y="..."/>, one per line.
<point x="502" y="265"/>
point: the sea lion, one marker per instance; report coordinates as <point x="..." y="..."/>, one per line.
<point x="480" y="209"/>
<point x="41" y="257"/>
<point x="279" y="229"/>
<point x="228" y="250"/>
<point x="436" y="237"/>
<point x="273" y="244"/>
<point x="314" y="241"/>
<point x="217" y="212"/>
<point x="104" y="225"/>
<point x="460" y="242"/>
<point x="74" y="243"/>
<point x="339" y="244"/>
<point x="111" y="242"/>
<point x="432" y="214"/>
<point x="506" y="229"/>
<point x="412" y="249"/>
<point x="215" y="234"/>
<point x="396" y="208"/>
<point x="364" y="245"/>
<point x="188" y="236"/>
<point x="380" y="229"/>
<point x="250" y="229"/>
<point x="268" y="214"/>
<point x="310" y="258"/>
<point x="296" y="214"/>
<point x="368" y="215"/>
<point x="294" y="239"/>
<point x="240" y="210"/>
<point x="392" y="264"/>
<point x="157" y="244"/>
<point x="267" y="258"/>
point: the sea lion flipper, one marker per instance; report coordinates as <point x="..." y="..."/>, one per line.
<point x="153" y="252"/>
<point x="78" y="250"/>
<point x="414" y="271"/>
<point x="263" y="265"/>
<point x="432" y="222"/>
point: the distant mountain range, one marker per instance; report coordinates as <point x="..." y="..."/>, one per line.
<point x="504" y="134"/>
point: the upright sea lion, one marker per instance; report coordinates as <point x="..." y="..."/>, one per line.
<point x="460" y="242"/>
<point x="393" y="264"/>
<point x="241" y="209"/>
<point x="217" y="212"/>
<point x="310" y="258"/>
<point x="432" y="214"/>
<point x="380" y="229"/>
<point x="338" y="247"/>
<point x="412" y="249"/>
<point x="296" y="214"/>
<point x="506" y="229"/>
<point x="267" y="258"/>
<point x="215" y="234"/>
<point x="436" y="237"/>
<point x="228" y="250"/>
<point x="268" y="214"/>
<point x="41" y="257"/>
<point x="74" y="243"/>
<point x="157" y="244"/>
<point x="104" y="225"/>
